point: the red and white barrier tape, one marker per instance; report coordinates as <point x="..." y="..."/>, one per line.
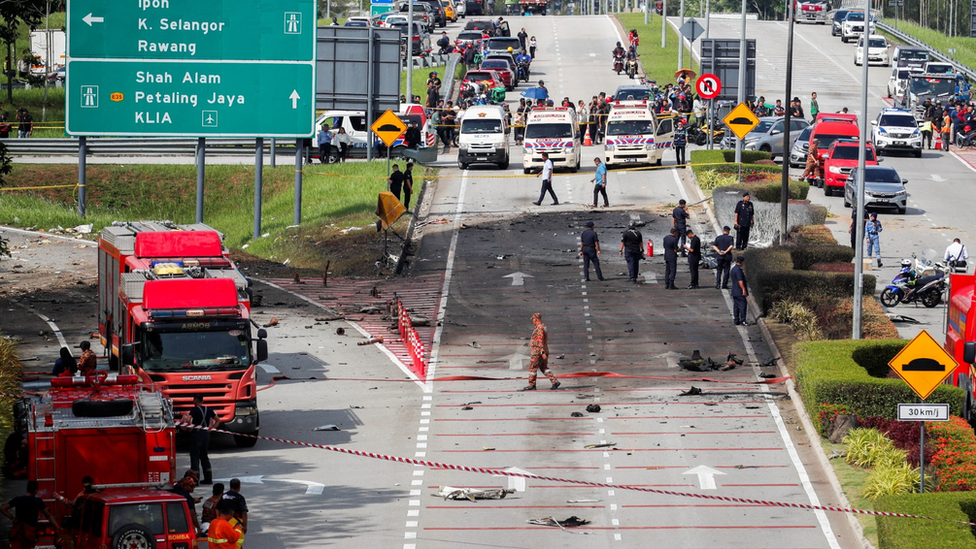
<point x="500" y="472"/>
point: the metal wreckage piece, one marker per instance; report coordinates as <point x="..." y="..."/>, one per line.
<point x="451" y="492"/>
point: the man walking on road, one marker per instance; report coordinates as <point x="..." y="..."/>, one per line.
<point x="539" y="346"/>
<point x="546" y="175"/>
<point x="590" y="252"/>
<point x="694" y="258"/>
<point x="740" y="291"/>
<point x="632" y="248"/>
<point x="600" y="183"/>
<point x="744" y="219"/>
<point x="670" y="258"/>
<point x="723" y="245"/>
<point x="872" y="233"/>
<point x="814" y="107"/>
<point x="679" y="220"/>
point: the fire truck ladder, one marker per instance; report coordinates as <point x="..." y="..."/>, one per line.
<point x="154" y="412"/>
<point x="43" y="456"/>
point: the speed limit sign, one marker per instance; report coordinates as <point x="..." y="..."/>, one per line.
<point x="708" y="86"/>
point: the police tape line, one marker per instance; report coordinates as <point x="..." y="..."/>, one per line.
<point x="504" y="473"/>
<point x="514" y="474"/>
<point x="521" y="176"/>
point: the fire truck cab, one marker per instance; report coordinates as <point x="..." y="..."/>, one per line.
<point x="960" y="339"/>
<point x="174" y="309"/>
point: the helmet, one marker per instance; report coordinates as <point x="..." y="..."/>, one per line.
<point x="618" y="44"/>
<point x="510" y="50"/>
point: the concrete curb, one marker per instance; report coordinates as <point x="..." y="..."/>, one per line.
<point x="411" y="227"/>
<point x="813" y="438"/>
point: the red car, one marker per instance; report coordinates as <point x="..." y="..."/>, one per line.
<point x="828" y="131"/>
<point x="503" y="69"/>
<point x="842" y="159"/>
<point x="482" y="75"/>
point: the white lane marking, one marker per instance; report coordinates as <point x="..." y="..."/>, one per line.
<point x="50" y="323"/>
<point x="961" y="161"/>
<point x="838" y="65"/>
<point x="677" y="181"/>
<point x="48" y="235"/>
<point x="435" y="345"/>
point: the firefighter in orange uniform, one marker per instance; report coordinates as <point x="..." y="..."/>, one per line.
<point x="221" y="534"/>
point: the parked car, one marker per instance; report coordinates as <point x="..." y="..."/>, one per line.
<point x="357" y="22"/>
<point x="842" y="159"/>
<point x="814" y="11"/>
<point x="56" y="76"/>
<point x="853" y="26"/>
<point x="634" y="93"/>
<point x="421" y="40"/>
<point x="910" y="57"/>
<point x="800" y="149"/>
<point x="449" y="10"/>
<point x="896" y="130"/>
<point x="466" y="38"/>
<point x="128" y="517"/>
<point x="506" y="70"/>
<point x="502" y="43"/>
<point x="438" y="9"/>
<point x="877" y="51"/>
<point x="772" y="140"/>
<point x="422" y="13"/>
<point x="938" y="67"/>
<point x="883" y="188"/>
<point x="481" y="25"/>
<point x="898" y="83"/>
<point x="836" y="26"/>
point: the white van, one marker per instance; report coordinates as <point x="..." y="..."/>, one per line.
<point x="553" y="130"/>
<point x="635" y="135"/>
<point x="355" y="124"/>
<point x="484" y="137"/>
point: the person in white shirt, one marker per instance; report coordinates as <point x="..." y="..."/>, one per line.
<point x="584" y="116"/>
<point x="344" y="140"/>
<point x="957" y="252"/>
<point x="546" y="175"/>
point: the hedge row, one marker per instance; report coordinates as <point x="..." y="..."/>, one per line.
<point x="774" y="275"/>
<point x="811" y="234"/>
<point x="748" y="157"/>
<point x="853" y="373"/>
<point x="908" y="533"/>
<point x="769" y="191"/>
<point x="11" y="374"/>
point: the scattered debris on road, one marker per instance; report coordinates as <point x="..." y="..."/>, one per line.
<point x="473" y="494"/>
<point x="370" y="341"/>
<point x="593" y="408"/>
<point x="571" y="522"/>
<point x="329" y="427"/>
<point x="272" y="322"/>
<point x="603" y="445"/>
<point x="692" y="392"/>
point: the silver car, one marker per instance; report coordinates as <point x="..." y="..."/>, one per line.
<point x="768" y="135"/>
<point x="883" y="189"/>
<point x="800" y="149"/>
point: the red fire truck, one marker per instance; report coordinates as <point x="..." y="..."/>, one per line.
<point x="174" y="309"/>
<point x="104" y="426"/>
<point x="961" y="338"/>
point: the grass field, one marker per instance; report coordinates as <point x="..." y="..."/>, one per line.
<point x="335" y="199"/>
<point x="659" y="63"/>
<point x="965" y="47"/>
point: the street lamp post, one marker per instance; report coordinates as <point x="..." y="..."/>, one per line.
<point x="784" y="196"/>
<point x="859" y="202"/>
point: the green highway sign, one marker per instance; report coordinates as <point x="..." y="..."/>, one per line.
<point x="180" y="99"/>
<point x="196" y="68"/>
<point x="248" y="30"/>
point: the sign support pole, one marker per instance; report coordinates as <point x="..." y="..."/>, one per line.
<point x="298" y="182"/>
<point x="921" y="461"/>
<point x="201" y="161"/>
<point x="258" y="184"/>
<point x="711" y="123"/>
<point x="784" y="196"/>
<point x="274" y="143"/>
<point x="370" y="139"/>
<point x="82" y="175"/>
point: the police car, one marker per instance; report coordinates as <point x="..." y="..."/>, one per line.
<point x="896" y="130"/>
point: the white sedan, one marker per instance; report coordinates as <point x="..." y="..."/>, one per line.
<point x="877" y="51"/>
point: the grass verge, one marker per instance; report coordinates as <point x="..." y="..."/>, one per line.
<point x="419" y="79"/>
<point x="853" y="481"/>
<point x="338" y="206"/>
<point x="965" y="47"/>
<point x="659" y="63"/>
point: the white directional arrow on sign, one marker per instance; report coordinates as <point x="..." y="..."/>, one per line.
<point x="92" y="19"/>
<point x="706" y="476"/>
<point x="294" y="98"/>
<point x="518" y="279"/>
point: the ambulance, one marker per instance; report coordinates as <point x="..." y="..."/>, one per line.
<point x="635" y="135"/>
<point x="553" y="130"/>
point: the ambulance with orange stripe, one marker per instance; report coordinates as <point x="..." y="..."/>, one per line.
<point x="553" y="130"/>
<point x="635" y="135"/>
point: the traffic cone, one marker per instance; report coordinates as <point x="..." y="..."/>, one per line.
<point x="938" y="141"/>
<point x="588" y="142"/>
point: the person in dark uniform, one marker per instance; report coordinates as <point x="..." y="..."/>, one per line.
<point x="205" y="417"/>
<point x="679" y="220"/>
<point x="407" y="185"/>
<point x="723" y="246"/>
<point x="590" y="252"/>
<point x="412" y="136"/>
<point x="670" y="258"/>
<point x="395" y="181"/>
<point x="632" y="248"/>
<point x="27" y="509"/>
<point x="694" y="258"/>
<point x="740" y="291"/>
<point x="744" y="219"/>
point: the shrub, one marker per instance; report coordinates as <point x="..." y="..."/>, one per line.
<point x="836" y="317"/>
<point x="707" y="157"/>
<point x="811" y="234"/>
<point x="907" y="533"/>
<point x="904" y="434"/>
<point x="866" y="446"/>
<point x="849" y="373"/>
<point x="771" y="190"/>
<point x="824" y="416"/>
<point x="953" y="454"/>
<point x="835" y="267"/>
<point x="799" y="317"/>
<point x="891" y="479"/>
<point x="764" y="162"/>
<point x="748" y="157"/>
<point x="710" y="180"/>
<point x="804" y="257"/>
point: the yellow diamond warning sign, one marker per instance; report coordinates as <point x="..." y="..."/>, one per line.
<point x="388" y="128"/>
<point x="741" y="120"/>
<point x="923" y="364"/>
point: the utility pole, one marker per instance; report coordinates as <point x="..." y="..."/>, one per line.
<point x="741" y="95"/>
<point x="859" y="202"/>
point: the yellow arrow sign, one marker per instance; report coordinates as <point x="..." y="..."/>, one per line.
<point x="923" y="364"/>
<point x="388" y="127"/>
<point x="741" y="120"/>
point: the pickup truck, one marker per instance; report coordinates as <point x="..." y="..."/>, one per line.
<point x="811" y="11"/>
<point x="422" y="14"/>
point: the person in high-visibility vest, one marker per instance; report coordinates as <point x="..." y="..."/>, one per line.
<point x="221" y="534"/>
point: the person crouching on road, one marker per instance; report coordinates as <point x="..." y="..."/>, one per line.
<point x="221" y="535"/>
<point x="540" y="354"/>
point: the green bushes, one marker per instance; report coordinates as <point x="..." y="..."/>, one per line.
<point x="907" y="533"/>
<point x="852" y="374"/>
<point x="806" y="256"/>
<point x="748" y="157"/>
<point x="11" y="374"/>
<point x="809" y="235"/>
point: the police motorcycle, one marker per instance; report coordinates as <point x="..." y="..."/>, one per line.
<point x="920" y="281"/>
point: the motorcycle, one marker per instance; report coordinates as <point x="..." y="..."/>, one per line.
<point x="631" y="68"/>
<point x="523" y="71"/>
<point x="924" y="282"/>
<point x="618" y="63"/>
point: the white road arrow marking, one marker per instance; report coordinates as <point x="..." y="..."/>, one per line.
<point x="706" y="476"/>
<point x="244" y="480"/>
<point x="92" y="19"/>
<point x="311" y="488"/>
<point x="671" y="357"/>
<point x="518" y="279"/>
<point x="937" y="178"/>
<point x="294" y="98"/>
